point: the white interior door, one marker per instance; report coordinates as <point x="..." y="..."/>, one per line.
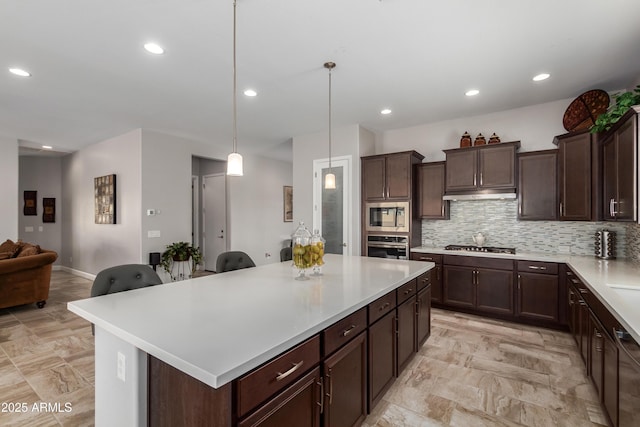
<point x="332" y="208"/>
<point x="214" y="218"/>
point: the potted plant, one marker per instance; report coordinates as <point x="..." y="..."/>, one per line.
<point x="622" y="102"/>
<point x="179" y="252"/>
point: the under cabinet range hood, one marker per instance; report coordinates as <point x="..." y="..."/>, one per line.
<point x="480" y="196"/>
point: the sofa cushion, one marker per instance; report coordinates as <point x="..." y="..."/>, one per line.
<point x="5" y="255"/>
<point x="28" y="249"/>
<point x="6" y="245"/>
<point x="11" y="247"/>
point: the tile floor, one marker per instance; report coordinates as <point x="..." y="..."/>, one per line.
<point x="471" y="372"/>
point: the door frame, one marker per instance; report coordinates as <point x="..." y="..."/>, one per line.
<point x="346" y="163"/>
<point x="195" y="210"/>
<point x="203" y="213"/>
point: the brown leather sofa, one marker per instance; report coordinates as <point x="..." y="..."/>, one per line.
<point x="26" y="280"/>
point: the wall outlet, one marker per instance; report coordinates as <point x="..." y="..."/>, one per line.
<point x="153" y="233"/>
<point x="40" y="228"/>
<point x="28" y="229"/>
<point x="564" y="249"/>
<point x="121" y="367"/>
<point x="267" y="255"/>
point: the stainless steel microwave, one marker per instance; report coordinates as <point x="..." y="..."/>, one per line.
<point x="388" y="217"/>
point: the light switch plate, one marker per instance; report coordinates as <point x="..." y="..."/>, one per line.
<point x="153" y="233"/>
<point x="28" y="229"/>
<point x="121" y="367"/>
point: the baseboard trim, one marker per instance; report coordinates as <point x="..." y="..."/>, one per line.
<point x="76" y="272"/>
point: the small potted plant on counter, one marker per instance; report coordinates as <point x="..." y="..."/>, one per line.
<point x="180" y="252"/>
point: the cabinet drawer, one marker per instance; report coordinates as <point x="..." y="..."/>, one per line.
<point x="424" y="280"/>
<point x="538" y="267"/>
<point x="407" y="290"/>
<point x="257" y="386"/>
<point x="381" y="306"/>
<point x="418" y="256"/>
<point x="341" y="332"/>
<point x="479" y="262"/>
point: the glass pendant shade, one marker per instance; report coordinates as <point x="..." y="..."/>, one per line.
<point x="234" y="164"/>
<point x="330" y="181"/>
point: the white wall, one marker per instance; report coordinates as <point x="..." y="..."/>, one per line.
<point x="534" y="126"/>
<point x="255" y="208"/>
<point x="44" y="175"/>
<point x="9" y="195"/>
<point x="90" y="247"/>
<point x="353" y="141"/>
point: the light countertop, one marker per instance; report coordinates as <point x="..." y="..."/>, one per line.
<point x="218" y="327"/>
<point x="616" y="283"/>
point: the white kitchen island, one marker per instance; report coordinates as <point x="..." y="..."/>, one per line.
<point x="216" y="328"/>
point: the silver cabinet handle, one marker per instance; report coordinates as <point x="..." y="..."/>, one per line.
<point x="533" y="267"/>
<point x="330" y="394"/>
<point x="348" y="330"/>
<point x="519" y="281"/>
<point x="599" y="336"/>
<point x="385" y="305"/>
<point x="321" y="403"/>
<point x="621" y="346"/>
<point x="408" y="291"/>
<point x="283" y="375"/>
<point x="480" y="179"/>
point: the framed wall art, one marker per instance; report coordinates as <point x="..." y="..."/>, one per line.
<point x="287" y="191"/>
<point x="30" y="203"/>
<point x="49" y="209"/>
<point x="105" y="199"/>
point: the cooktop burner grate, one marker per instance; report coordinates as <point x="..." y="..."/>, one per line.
<point x="488" y="249"/>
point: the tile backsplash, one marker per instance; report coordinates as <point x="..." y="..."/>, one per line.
<point x="633" y="242"/>
<point x="498" y="221"/>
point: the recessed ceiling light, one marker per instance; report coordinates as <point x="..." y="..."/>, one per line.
<point x="250" y="92"/>
<point x="472" y="92"/>
<point x="385" y="111"/>
<point x="19" y="72"/>
<point x="154" y="48"/>
<point x="47" y="147"/>
<point x="540" y="77"/>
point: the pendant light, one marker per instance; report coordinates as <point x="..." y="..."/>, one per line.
<point x="234" y="161"/>
<point x="330" y="178"/>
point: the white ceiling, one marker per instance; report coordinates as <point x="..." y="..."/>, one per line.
<point x="91" y="79"/>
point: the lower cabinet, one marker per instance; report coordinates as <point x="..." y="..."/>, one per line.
<point x="406" y="331"/>
<point x="435" y="273"/>
<point x="345" y="385"/>
<point x="382" y="357"/>
<point x="300" y="402"/>
<point x="471" y="283"/>
<point x="538" y="293"/>
<point x="423" y="315"/>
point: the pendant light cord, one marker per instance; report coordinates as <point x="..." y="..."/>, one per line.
<point x="235" y="90"/>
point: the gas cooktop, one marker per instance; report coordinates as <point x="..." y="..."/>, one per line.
<point x="488" y="249"/>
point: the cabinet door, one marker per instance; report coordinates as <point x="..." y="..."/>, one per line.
<point x="626" y="171"/>
<point x="537" y="296"/>
<point x="596" y="359"/>
<point x="497" y="167"/>
<point x="406" y="332"/>
<point x="584" y="332"/>
<point x="628" y="386"/>
<point x="573" y="313"/>
<point x="574" y="177"/>
<point x="300" y="402"/>
<point x="458" y="286"/>
<point x="610" y="379"/>
<point x="423" y="309"/>
<point x="373" y="179"/>
<point x="436" y="284"/>
<point x="398" y="176"/>
<point x="430" y="191"/>
<point x="610" y="178"/>
<point x="382" y="357"/>
<point x="461" y="170"/>
<point x="494" y="291"/>
<point x="537" y="186"/>
<point x="345" y="373"/>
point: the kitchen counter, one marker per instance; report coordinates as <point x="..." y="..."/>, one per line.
<point x="218" y="327"/>
<point x="616" y="283"/>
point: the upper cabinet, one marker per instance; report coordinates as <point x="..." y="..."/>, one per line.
<point x="579" y="182"/>
<point x="430" y="181"/>
<point x="487" y="168"/>
<point x="389" y="176"/>
<point x="537" y="185"/>
<point x="620" y="168"/>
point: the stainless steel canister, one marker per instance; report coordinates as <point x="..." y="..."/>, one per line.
<point x="605" y="244"/>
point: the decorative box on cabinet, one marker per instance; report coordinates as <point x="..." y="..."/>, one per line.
<point x="389" y="176"/>
<point x="537" y="185"/>
<point x="620" y="169"/>
<point x="484" y="169"/>
<point x="430" y="182"/>
<point x="579" y="176"/>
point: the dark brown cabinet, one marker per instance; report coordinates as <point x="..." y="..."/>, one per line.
<point x="620" y="169"/>
<point x="596" y="356"/>
<point x="382" y="357"/>
<point x="423" y="315"/>
<point x="406" y="330"/>
<point x="388" y="176"/>
<point x="484" y="169"/>
<point x="481" y="284"/>
<point x="300" y="402"/>
<point x="579" y="176"/>
<point x="430" y="183"/>
<point x="345" y="385"/>
<point x="435" y="274"/>
<point x="538" y="291"/>
<point x="537" y="185"/>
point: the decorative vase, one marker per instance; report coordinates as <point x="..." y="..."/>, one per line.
<point x="465" y="140"/>
<point x="302" y="251"/>
<point x="494" y="139"/>
<point x="480" y="140"/>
